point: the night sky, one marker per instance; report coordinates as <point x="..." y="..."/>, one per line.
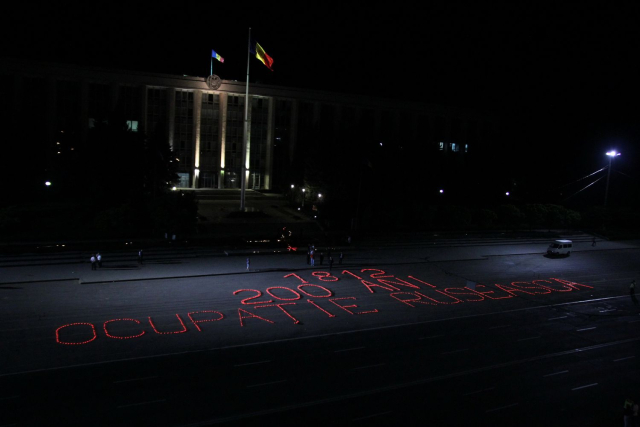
<point x="564" y="79"/>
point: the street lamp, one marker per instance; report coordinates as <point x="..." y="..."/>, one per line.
<point x="611" y="155"/>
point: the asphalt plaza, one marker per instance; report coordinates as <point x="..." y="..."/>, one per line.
<point x="400" y="341"/>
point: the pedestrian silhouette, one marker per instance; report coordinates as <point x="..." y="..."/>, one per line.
<point x="248" y="263"/>
<point x="321" y="257"/>
<point x="593" y="242"/>
<point x="628" y="412"/>
<point x="93" y="262"/>
<point x="330" y="262"/>
<point x="99" y="259"/>
<point x="340" y="258"/>
<point x="140" y="256"/>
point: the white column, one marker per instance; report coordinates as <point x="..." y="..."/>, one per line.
<point x="171" y="114"/>
<point x="268" y="167"/>
<point x="197" y="120"/>
<point x="223" y="137"/>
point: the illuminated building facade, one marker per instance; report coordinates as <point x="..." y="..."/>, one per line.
<point x="204" y="124"/>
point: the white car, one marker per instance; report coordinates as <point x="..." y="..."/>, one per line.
<point x="560" y="247"/>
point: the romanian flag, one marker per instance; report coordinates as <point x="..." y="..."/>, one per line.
<point x="215" y="55"/>
<point x="261" y="55"/>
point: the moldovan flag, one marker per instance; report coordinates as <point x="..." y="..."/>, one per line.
<point x="262" y="55"/>
<point x="215" y="55"/>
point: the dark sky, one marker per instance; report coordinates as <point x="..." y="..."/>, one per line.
<point x="565" y="79"/>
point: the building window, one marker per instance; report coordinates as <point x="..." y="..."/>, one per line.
<point x="183" y="180"/>
<point x="132" y="125"/>
<point x="183" y="129"/>
<point x="209" y="128"/>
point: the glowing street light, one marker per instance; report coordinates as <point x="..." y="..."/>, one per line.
<point x="611" y="155"/>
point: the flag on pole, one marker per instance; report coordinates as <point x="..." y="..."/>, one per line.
<point x="215" y="55"/>
<point x="261" y="54"/>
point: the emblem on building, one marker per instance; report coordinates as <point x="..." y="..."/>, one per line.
<point x="213" y="82"/>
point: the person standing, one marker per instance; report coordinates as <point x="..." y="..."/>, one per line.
<point x="140" y="256"/>
<point x="340" y="259"/>
<point x="99" y="259"/>
<point x="313" y="261"/>
<point x="628" y="412"/>
<point x="248" y="264"/>
<point x="309" y="256"/>
<point x="321" y="257"/>
<point x="593" y="242"/>
<point x="632" y="292"/>
<point x="93" y="262"/>
<point x="330" y="262"/>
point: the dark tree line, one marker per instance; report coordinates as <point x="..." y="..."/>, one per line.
<point x="115" y="183"/>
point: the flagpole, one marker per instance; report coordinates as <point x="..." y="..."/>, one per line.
<point x="243" y="167"/>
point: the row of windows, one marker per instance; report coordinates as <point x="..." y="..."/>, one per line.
<point x="452" y="146"/>
<point x="209" y="126"/>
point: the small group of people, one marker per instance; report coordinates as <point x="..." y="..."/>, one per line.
<point x="311" y="257"/>
<point x="96" y="261"/>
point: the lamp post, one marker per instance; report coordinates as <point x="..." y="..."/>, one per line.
<point x="611" y="155"/>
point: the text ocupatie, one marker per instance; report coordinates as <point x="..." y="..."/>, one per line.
<point x="412" y="292"/>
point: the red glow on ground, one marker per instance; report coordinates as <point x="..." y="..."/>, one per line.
<point x="106" y="332"/>
<point x="195" y="322"/>
<point x="250" y="315"/>
<point x="93" y="332"/>
<point x="184" y="327"/>
<point x="378" y="284"/>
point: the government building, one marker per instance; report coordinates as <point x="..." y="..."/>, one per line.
<point x="202" y="119"/>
